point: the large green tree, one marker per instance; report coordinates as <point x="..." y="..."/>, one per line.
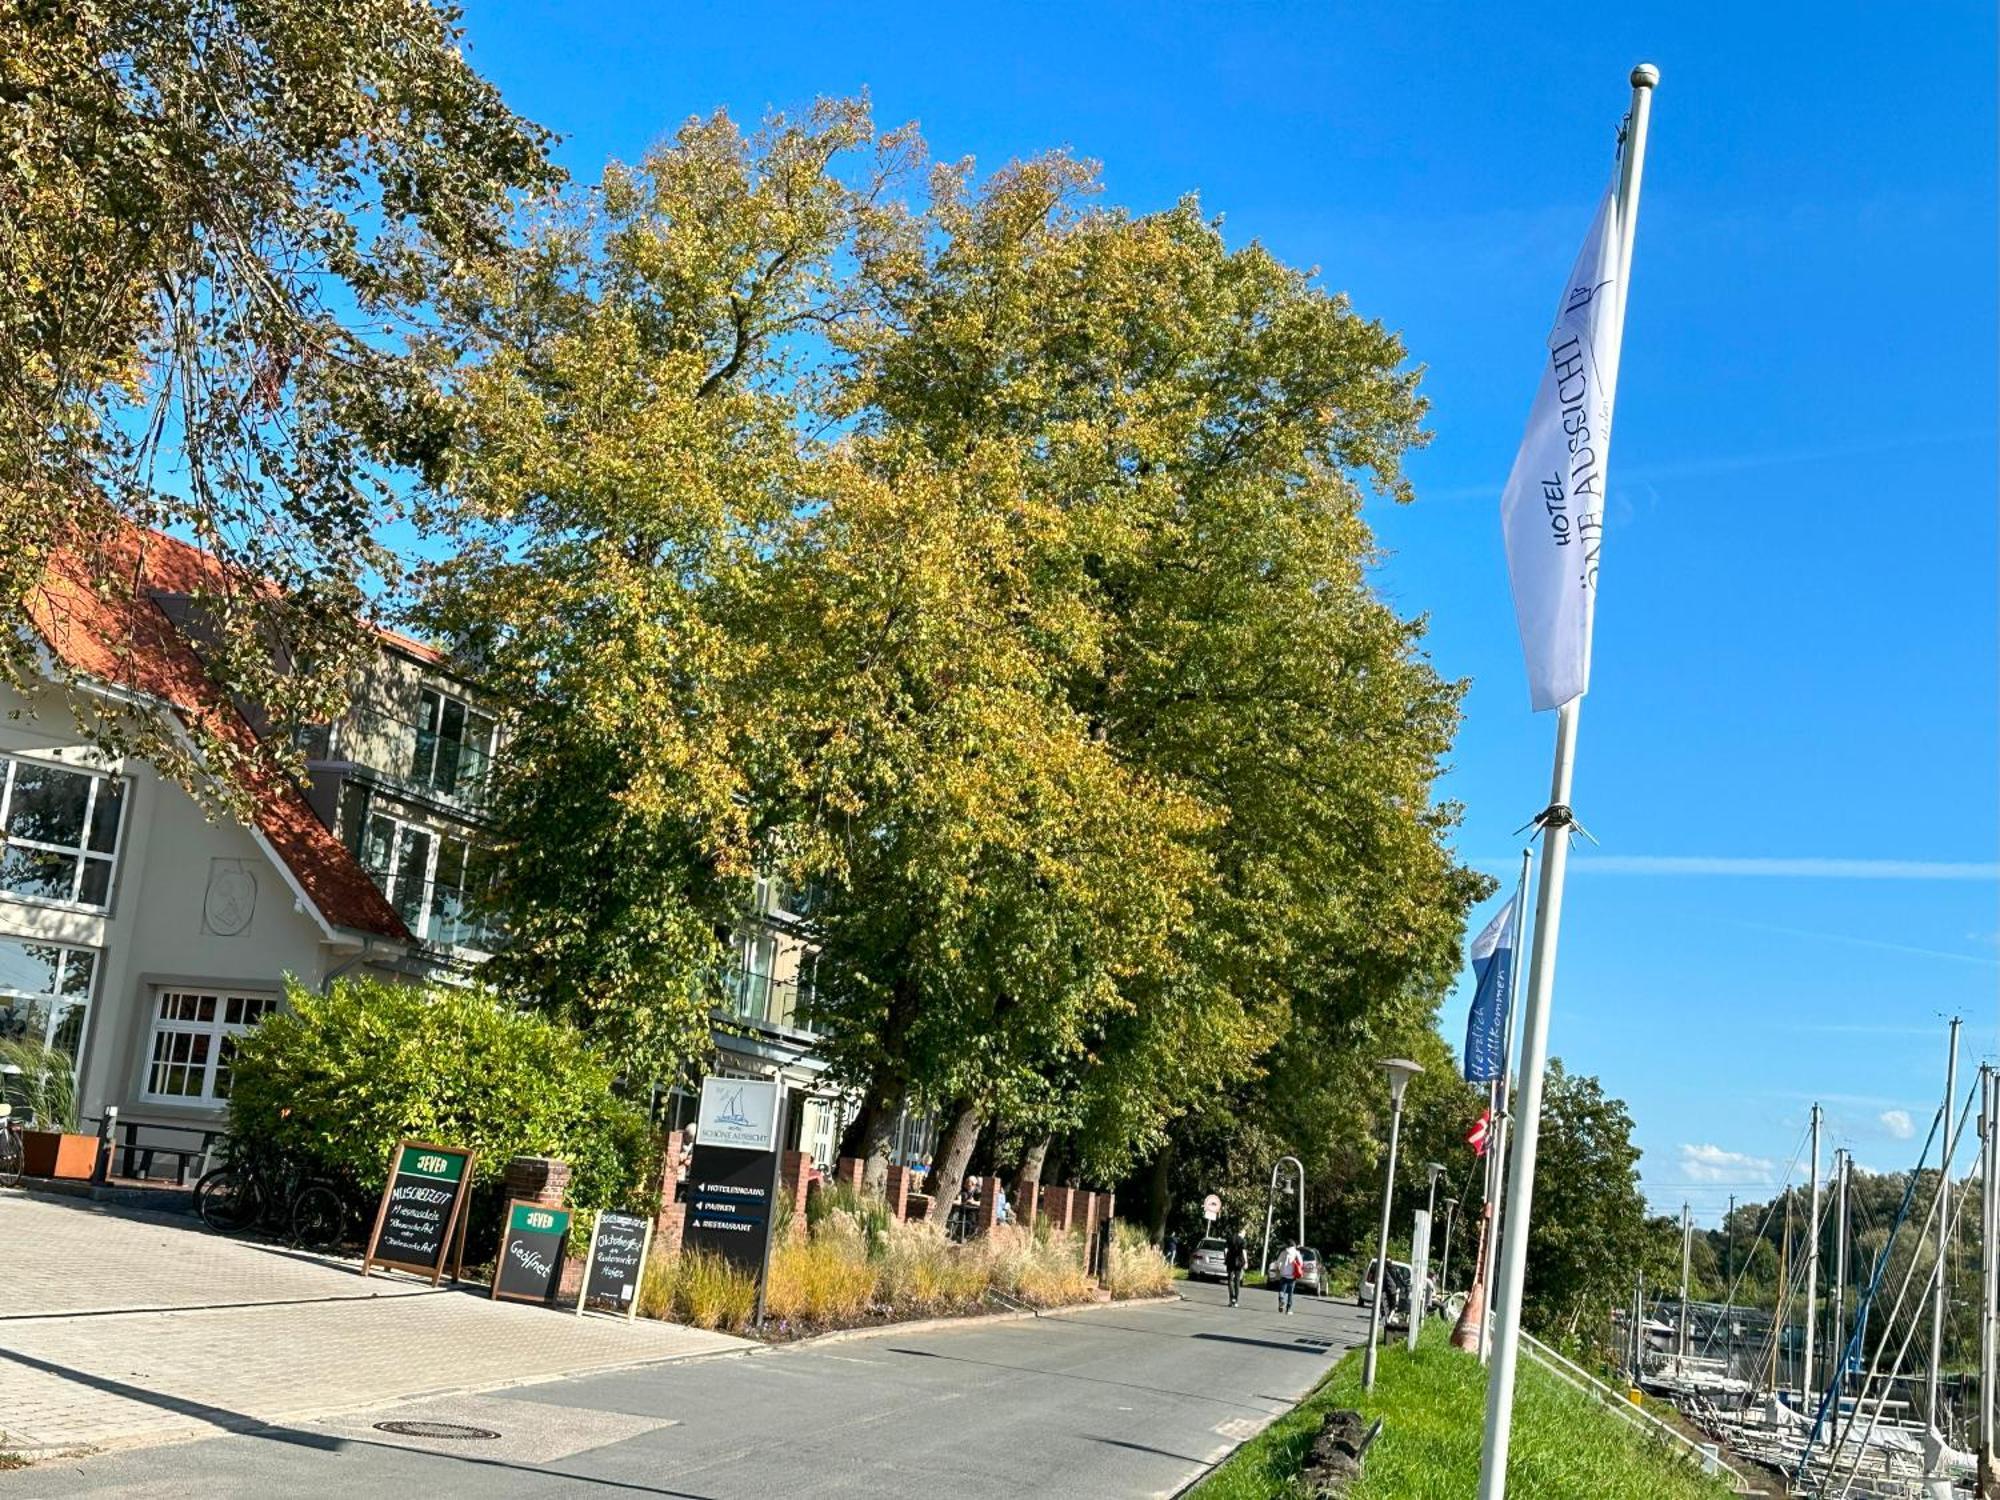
<point x="217" y="222"/>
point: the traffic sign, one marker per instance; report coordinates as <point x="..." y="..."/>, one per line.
<point x="1211" y="1208"/>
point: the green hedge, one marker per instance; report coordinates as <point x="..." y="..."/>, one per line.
<point x="336" y="1080"/>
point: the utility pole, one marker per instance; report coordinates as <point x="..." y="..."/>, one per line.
<point x="1812" y="1268"/>
<point x="1932" y="1410"/>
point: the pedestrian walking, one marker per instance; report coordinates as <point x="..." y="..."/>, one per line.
<point x="1291" y="1266"/>
<point x="1234" y="1256"/>
<point x="1172" y="1249"/>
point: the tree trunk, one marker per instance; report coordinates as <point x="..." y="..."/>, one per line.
<point x="949" y="1179"/>
<point x="1028" y="1181"/>
<point x="1156" y="1205"/>
<point x="878" y="1144"/>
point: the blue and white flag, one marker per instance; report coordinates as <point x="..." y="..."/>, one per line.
<point x="1486" y="1028"/>
<point x="1553" y="509"/>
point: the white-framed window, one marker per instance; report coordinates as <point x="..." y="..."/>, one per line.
<point x="427" y="876"/>
<point x="61" y="826"/>
<point x="194" y="1040"/>
<point x="454" y="748"/>
<point x="45" y="992"/>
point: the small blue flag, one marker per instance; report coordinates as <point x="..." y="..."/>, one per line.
<point x="1486" y="1027"/>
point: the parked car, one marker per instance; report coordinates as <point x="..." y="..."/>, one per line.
<point x="1399" y="1271"/>
<point x="1206" y="1262"/>
<point x="1312" y="1279"/>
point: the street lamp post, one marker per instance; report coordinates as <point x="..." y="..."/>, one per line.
<point x="1400" y="1070"/>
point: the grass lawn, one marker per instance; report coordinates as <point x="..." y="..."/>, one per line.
<point x="1433" y="1404"/>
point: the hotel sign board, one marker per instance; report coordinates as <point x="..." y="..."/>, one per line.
<point x="732" y="1180"/>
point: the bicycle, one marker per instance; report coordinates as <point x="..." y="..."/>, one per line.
<point x="11" y="1151"/>
<point x="312" y="1212"/>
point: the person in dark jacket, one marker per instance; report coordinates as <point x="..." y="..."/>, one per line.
<point x="1234" y="1258"/>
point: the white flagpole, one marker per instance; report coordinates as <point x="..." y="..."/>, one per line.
<point x="1556" y="824"/>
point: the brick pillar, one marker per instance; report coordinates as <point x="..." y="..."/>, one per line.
<point x="1107" y="1206"/>
<point x="667" y="1226"/>
<point x="1087" y="1221"/>
<point x="989" y="1203"/>
<point x="847" y="1172"/>
<point x="897" y="1187"/>
<point x="795" y="1172"/>
<point x="1056" y="1203"/>
<point x="537" y="1179"/>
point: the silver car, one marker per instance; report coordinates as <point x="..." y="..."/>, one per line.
<point x="1311" y="1279"/>
<point x="1206" y="1263"/>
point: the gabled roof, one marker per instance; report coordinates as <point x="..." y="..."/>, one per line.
<point x="120" y="635"/>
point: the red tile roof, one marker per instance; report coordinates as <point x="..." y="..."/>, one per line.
<point x="120" y="635"/>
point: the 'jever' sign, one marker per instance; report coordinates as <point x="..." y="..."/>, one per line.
<point x="529" y="1265"/>
<point x="423" y="1204"/>
<point x="616" y="1263"/>
<point x="732" y="1181"/>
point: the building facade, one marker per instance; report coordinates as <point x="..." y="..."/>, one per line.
<point x="141" y="934"/>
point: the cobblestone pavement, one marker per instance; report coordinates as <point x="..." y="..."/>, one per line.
<point x="117" y="1328"/>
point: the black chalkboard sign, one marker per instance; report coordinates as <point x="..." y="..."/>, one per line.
<point x="530" y="1263"/>
<point x="423" y="1202"/>
<point x="615" y="1263"/>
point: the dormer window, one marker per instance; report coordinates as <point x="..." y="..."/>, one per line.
<point x="454" y="748"/>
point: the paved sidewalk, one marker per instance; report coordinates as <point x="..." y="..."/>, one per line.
<point x="122" y="1328"/>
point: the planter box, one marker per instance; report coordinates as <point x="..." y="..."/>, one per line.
<point x="53" y="1153"/>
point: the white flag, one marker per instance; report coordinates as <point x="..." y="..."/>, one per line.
<point x="1553" y="508"/>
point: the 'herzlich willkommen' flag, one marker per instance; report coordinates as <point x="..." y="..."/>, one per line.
<point x="1553" y="508"/>
<point x="1486" y="1026"/>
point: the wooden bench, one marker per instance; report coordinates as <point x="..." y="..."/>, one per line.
<point x="136" y="1155"/>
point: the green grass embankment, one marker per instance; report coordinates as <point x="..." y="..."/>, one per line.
<point x="1433" y="1406"/>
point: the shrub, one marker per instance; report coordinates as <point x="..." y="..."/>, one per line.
<point x="699" y="1289"/>
<point x="47" y="1082"/>
<point x="823" y="1280"/>
<point x="1043" y="1270"/>
<point x="1137" y="1269"/>
<point x="338" y="1079"/>
<point x="923" y="1273"/>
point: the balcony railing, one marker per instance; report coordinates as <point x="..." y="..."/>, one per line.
<point x="409" y="754"/>
<point x="445" y="916"/>
<point x="764" y="1001"/>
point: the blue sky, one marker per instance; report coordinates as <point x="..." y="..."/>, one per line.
<point x="1795" y="652"/>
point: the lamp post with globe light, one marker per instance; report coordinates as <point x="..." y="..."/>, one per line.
<point x="1400" y="1070"/>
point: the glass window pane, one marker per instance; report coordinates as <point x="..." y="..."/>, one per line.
<point x="205" y="1008"/>
<point x="96" y="887"/>
<point x="104" y="816"/>
<point x="38" y="872"/>
<point x="47" y="804"/>
<point x="77" y="969"/>
<point x="425" y="755"/>
<point x="30" y="966"/>
<point x="232" y="1010"/>
<point x="69" y="1030"/>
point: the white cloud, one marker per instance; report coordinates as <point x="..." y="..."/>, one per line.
<point x="1713" y="1164"/>
<point x="1899" y="1124"/>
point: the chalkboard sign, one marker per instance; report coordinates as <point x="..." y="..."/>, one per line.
<point x="616" y="1262"/>
<point x="423" y="1202"/>
<point x="529" y="1266"/>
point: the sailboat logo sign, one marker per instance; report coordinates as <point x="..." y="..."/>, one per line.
<point x="738" y="1112"/>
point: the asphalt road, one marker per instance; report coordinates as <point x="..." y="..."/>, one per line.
<point x="1130" y="1401"/>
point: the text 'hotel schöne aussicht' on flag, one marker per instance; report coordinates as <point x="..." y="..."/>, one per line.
<point x="1553" y="508"/>
<point x="1492" y="998"/>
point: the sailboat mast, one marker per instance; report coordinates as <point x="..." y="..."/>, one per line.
<point x="1687" y="1248"/>
<point x="1843" y="1160"/>
<point x="1931" y="1403"/>
<point x="1812" y="1264"/>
